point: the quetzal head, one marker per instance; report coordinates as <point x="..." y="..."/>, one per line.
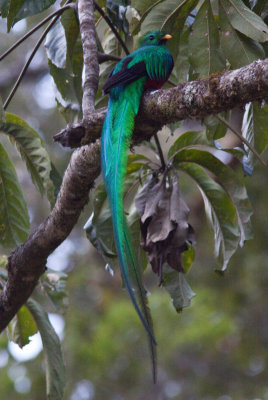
<point x="154" y="38"/>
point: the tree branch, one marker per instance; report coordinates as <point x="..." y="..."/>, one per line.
<point x="90" y="55"/>
<point x="27" y="262"/>
<point x="195" y="99"/>
<point x="191" y="100"/>
<point x="103" y="57"/>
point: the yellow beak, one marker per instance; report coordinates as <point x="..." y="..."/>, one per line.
<point x="167" y="37"/>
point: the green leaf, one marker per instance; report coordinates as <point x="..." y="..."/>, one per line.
<point x="14" y="219"/>
<point x="63" y="82"/>
<point x="220" y="211"/>
<point x="56" y="46"/>
<point x="52" y="291"/>
<point x="19" y="9"/>
<point x="22" y="327"/>
<point x="14" y="8"/>
<point x="215" y="128"/>
<point x="143" y="5"/>
<point x="144" y="8"/>
<point x="72" y="113"/>
<point x="254" y="129"/>
<point x="188" y="139"/>
<point x="3" y="262"/>
<point x="260" y="120"/>
<point x="65" y="58"/>
<point x="74" y="55"/>
<point x="32" y="150"/>
<point x="229" y="180"/>
<point x="237" y="152"/>
<point x="54" y="364"/>
<point x="178" y="288"/>
<point x="3" y="270"/>
<point x="4" y="7"/>
<point x="181" y="67"/>
<point x="110" y="46"/>
<point x="164" y="16"/>
<point x="205" y="54"/>
<point x="99" y="228"/>
<point x="109" y="42"/>
<point x="188" y="257"/>
<point x="169" y="16"/>
<point x="244" y="20"/>
<point x="135" y="163"/>
<point x="246" y="49"/>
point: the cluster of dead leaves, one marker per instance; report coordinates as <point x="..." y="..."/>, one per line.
<point x="164" y="222"/>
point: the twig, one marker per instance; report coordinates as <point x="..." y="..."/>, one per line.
<point x="24" y="69"/>
<point x="160" y="152"/>
<point x="102" y="57"/>
<point x="111" y="25"/>
<point x="35" y="28"/>
<point x="254" y="151"/>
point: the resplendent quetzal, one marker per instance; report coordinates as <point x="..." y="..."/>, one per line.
<point x="148" y="67"/>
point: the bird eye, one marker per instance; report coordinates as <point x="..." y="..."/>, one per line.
<point x="151" y="37"/>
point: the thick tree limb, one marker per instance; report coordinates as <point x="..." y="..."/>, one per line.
<point x="195" y="99"/>
<point x="27" y="262"/>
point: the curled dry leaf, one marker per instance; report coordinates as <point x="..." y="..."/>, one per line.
<point x="164" y="222"/>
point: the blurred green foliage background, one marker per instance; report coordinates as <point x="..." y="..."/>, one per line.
<point x="215" y="350"/>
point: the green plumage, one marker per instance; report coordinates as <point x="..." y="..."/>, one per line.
<point x="148" y="67"/>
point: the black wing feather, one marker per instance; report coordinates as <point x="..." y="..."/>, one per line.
<point x="125" y="75"/>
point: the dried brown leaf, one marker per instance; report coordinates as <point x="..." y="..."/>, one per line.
<point x="164" y="222"/>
